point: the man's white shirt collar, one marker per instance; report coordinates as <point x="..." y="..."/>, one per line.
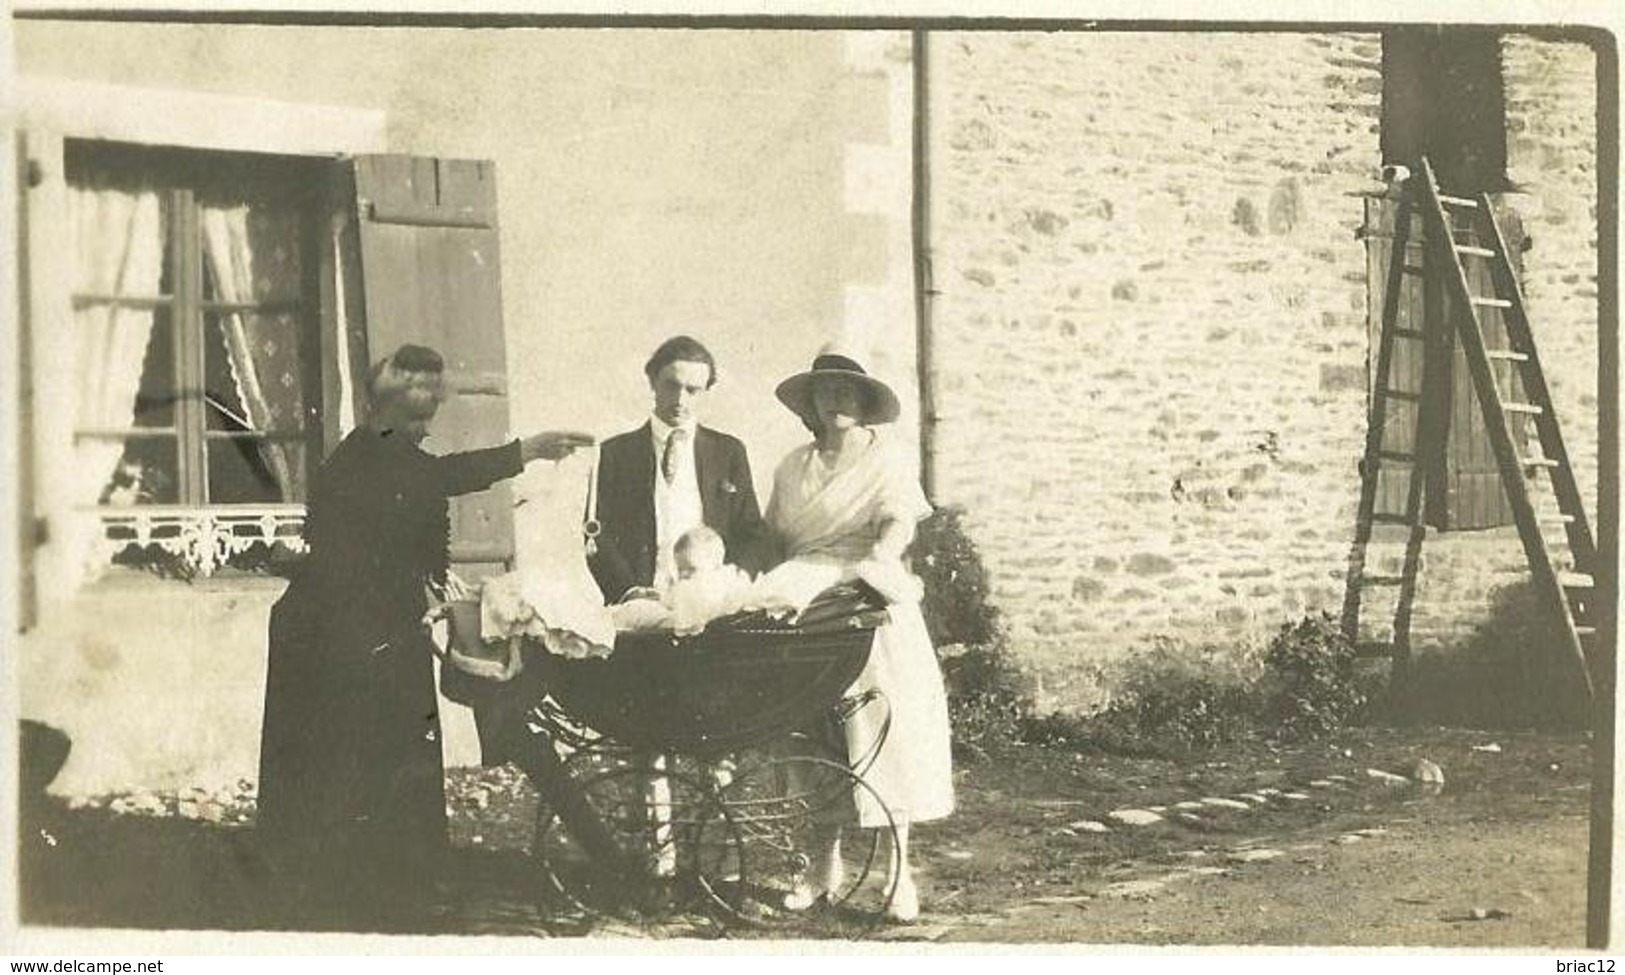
<point x="662" y="430"/>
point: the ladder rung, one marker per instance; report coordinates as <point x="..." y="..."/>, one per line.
<point x="1383" y="580"/>
<point x="1403" y="394"/>
<point x="1506" y="355"/>
<point x="1484" y="302"/>
<point x="1408" y="333"/>
<point x="1472" y="251"/>
<point x="1558" y="520"/>
<point x="1413" y="269"/>
<point x="1526" y="408"/>
<point x="1585" y="631"/>
<point x="1457" y="201"/>
<point x="1395" y="455"/>
<point x="1575" y="580"/>
<point x="1546" y="462"/>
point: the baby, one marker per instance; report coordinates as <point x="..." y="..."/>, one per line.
<point x="697" y="551"/>
<point x="707" y="587"/>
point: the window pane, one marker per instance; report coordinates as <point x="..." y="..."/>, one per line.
<point x="119" y="224"/>
<point x="142" y="470"/>
<point x="255" y="470"/>
<point x="125" y="360"/>
<point x="254" y="373"/>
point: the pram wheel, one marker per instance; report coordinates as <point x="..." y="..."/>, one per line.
<point x="678" y="848"/>
<point x="787" y="809"/>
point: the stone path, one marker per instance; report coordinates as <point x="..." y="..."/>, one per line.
<point x="1198" y="811"/>
<point x="1194" y="812"/>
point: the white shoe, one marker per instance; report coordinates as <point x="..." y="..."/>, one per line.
<point x="905" y="903"/>
<point x="806" y="893"/>
<point x="803" y="896"/>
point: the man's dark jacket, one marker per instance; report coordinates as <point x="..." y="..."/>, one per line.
<point x="626" y="506"/>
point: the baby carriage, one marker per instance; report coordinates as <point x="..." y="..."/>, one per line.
<point x="684" y="772"/>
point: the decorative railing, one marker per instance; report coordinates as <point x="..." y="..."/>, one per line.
<point x="200" y="539"/>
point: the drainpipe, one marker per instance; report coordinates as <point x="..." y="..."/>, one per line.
<point x="924" y="355"/>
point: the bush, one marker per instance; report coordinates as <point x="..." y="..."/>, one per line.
<point x="1171" y="698"/>
<point x="987" y="699"/>
<point x="1312" y="686"/>
<point x="1176" y="697"/>
<point x="956" y="595"/>
<point x="987" y="696"/>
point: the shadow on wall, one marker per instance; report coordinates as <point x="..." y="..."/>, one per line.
<point x="1511" y="673"/>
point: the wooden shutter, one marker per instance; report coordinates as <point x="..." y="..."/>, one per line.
<point x="1409" y="359"/>
<point x="1474" y="495"/>
<point x="1464" y="487"/>
<point x="427" y="234"/>
<point x="29" y="171"/>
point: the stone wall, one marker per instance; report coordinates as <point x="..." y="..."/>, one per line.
<point x="1151" y="357"/>
<point x="1150" y="327"/>
<point x="1552" y="157"/>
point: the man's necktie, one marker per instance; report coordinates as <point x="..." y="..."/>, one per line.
<point x="668" y="460"/>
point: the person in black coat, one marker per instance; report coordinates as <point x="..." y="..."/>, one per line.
<point x="670" y="475"/>
<point x="351" y="778"/>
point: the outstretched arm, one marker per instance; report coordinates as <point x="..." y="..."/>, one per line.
<point x="554" y="444"/>
<point x="475" y="470"/>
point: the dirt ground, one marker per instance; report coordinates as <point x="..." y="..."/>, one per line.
<point x="1254" y="845"/>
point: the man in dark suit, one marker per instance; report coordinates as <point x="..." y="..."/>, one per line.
<point x="668" y="476"/>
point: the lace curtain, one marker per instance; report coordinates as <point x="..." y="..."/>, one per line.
<point x="263" y="349"/>
<point x="118" y="241"/>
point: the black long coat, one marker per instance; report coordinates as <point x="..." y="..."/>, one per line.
<point x="350" y="760"/>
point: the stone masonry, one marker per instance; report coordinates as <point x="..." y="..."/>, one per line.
<point x="1552" y="155"/>
<point x="1151" y="358"/>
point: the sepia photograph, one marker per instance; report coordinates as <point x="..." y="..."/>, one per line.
<point x="574" y="482"/>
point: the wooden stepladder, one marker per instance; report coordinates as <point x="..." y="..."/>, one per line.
<point x="1519" y="421"/>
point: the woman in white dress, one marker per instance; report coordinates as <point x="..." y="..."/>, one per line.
<point x="849" y="499"/>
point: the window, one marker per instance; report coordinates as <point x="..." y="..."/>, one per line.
<point x="1443" y="97"/>
<point x="197" y="330"/>
<point x="197" y="417"/>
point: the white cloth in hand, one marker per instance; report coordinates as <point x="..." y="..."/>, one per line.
<point x="793" y="586"/>
<point x="541" y="606"/>
<point x="640" y="615"/>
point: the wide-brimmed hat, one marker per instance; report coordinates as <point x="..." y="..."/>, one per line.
<point x="837" y="360"/>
